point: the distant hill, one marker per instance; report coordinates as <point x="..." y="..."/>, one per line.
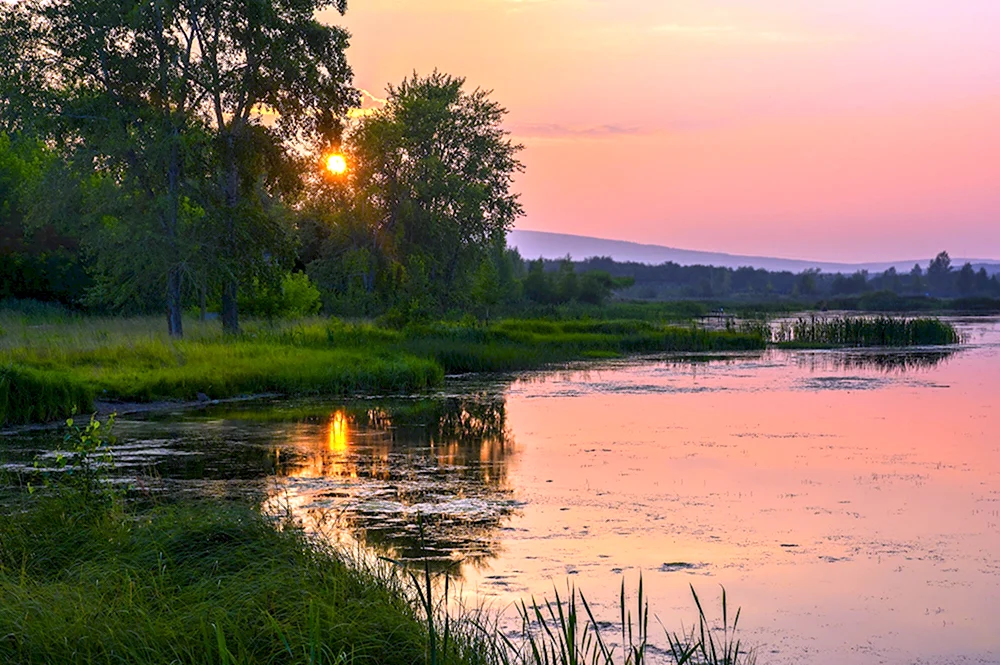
<point x="534" y="244"/>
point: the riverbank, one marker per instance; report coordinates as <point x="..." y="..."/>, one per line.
<point x="51" y="369"/>
<point x="190" y="583"/>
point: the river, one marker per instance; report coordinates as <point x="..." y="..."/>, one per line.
<point x="848" y="500"/>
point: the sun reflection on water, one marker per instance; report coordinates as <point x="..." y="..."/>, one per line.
<point x="338" y="433"/>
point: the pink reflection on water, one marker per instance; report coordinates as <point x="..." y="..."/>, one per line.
<point x="854" y="512"/>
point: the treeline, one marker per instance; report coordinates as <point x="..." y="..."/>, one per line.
<point x="938" y="279"/>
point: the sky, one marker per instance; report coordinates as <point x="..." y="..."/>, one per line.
<point x="841" y="130"/>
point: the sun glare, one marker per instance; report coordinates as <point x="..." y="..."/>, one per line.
<point x="336" y="164"/>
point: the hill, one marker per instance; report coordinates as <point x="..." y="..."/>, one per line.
<point x="534" y="244"/>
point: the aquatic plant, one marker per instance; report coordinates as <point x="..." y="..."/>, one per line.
<point x="857" y="331"/>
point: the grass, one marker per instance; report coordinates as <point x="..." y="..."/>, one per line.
<point x="523" y="344"/>
<point x="29" y="395"/>
<point x="194" y="583"/>
<point x="885" y="331"/>
<point x="62" y="362"/>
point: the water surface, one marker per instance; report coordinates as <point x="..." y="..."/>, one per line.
<point x="848" y="500"/>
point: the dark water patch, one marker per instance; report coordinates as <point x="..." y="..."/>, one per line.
<point x="680" y="566"/>
<point x="820" y="383"/>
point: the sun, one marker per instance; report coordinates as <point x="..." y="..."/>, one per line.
<point x="336" y="164"/>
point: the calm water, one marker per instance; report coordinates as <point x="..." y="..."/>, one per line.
<point x="849" y="501"/>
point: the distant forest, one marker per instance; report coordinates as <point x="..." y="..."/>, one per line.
<point x="938" y="278"/>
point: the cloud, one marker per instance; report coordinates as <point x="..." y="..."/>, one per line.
<point x="725" y="32"/>
<point x="370" y="104"/>
<point x="551" y="130"/>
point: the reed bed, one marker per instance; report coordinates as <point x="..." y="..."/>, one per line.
<point x="855" y="331"/>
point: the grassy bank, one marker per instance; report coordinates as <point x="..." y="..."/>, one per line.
<point x="194" y="583"/>
<point x="205" y="583"/>
<point x="61" y="364"/>
<point x="29" y="395"/>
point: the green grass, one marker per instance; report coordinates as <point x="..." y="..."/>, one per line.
<point x="131" y="359"/>
<point x="195" y="583"/>
<point x="523" y="344"/>
<point x="29" y="395"/>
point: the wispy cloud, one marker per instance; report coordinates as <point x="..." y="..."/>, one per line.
<point x="370" y="103"/>
<point x="727" y="32"/>
<point x="551" y="130"/>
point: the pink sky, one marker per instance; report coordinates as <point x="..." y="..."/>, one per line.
<point x="839" y="130"/>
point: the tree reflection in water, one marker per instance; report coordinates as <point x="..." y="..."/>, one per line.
<point x="888" y="362"/>
<point x="373" y="473"/>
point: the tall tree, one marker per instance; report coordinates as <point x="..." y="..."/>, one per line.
<point x="435" y="172"/>
<point x="109" y="84"/>
<point x="939" y="273"/>
<point x="187" y="110"/>
<point x="271" y="75"/>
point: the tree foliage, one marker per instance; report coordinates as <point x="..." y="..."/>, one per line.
<point x="179" y="116"/>
<point x="431" y="195"/>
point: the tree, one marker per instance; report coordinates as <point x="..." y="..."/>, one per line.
<point x="567" y="286"/>
<point x="37" y="260"/>
<point x="939" y="273"/>
<point x="965" y="281"/>
<point x="434" y="175"/>
<point x="263" y="59"/>
<point x="538" y="285"/>
<point x="982" y="281"/>
<point x="806" y="282"/>
<point x="167" y="101"/>
<point x="595" y="286"/>
<point x="917" y="279"/>
<point x="114" y="94"/>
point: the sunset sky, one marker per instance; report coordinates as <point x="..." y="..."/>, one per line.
<point x="832" y="130"/>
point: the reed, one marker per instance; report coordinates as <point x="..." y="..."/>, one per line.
<point x="847" y="331"/>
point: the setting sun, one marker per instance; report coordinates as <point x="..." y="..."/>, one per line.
<point x="336" y="164"/>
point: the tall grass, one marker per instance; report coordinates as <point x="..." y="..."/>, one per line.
<point x="822" y="331"/>
<point x="521" y="344"/>
<point x="196" y="583"/>
<point x="865" y="331"/>
<point x="28" y="395"/>
<point x="565" y="631"/>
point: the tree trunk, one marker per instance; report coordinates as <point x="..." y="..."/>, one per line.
<point x="175" y="325"/>
<point x="230" y="308"/>
<point x="230" y="313"/>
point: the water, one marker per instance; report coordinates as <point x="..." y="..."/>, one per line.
<point x="848" y="500"/>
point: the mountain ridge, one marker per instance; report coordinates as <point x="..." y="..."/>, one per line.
<point x="535" y="244"/>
